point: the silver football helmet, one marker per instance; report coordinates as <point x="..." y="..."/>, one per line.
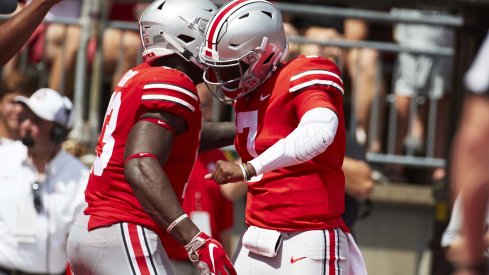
<point x="175" y="27"/>
<point x="244" y="44"/>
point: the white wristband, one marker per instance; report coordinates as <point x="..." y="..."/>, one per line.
<point x="175" y="222"/>
<point x="244" y="172"/>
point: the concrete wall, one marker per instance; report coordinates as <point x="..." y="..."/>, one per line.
<point x="395" y="237"/>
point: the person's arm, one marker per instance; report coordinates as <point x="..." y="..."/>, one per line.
<point x="149" y="182"/>
<point x="355" y="29"/>
<point x="17" y="30"/>
<point x="234" y="190"/>
<point x="317" y="126"/>
<point x="215" y="135"/>
<point x="151" y="145"/>
<point x="358" y="178"/>
<point x="469" y="174"/>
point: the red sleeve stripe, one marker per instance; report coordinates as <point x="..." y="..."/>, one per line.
<point x="142" y="155"/>
<point x="315" y="82"/>
<point x="306" y="73"/>
<point x="170" y="98"/>
<point x="170" y="87"/>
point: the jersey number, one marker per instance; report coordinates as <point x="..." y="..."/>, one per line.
<point x="105" y="144"/>
<point x="248" y="120"/>
<point x="106" y="141"/>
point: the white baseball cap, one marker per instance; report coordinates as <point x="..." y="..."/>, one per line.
<point x="49" y="105"/>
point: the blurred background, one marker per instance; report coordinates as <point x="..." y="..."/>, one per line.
<point x="402" y="63"/>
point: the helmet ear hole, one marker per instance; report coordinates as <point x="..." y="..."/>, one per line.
<point x="186" y="38"/>
<point x="160" y="7"/>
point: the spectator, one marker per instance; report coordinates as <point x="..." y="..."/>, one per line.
<point x="286" y="118"/>
<point x="363" y="69"/>
<point x="121" y="47"/>
<point x="41" y="188"/>
<point x="58" y="44"/>
<point x="469" y="165"/>
<point x="420" y="77"/>
<point x="290" y="30"/>
<point x="319" y="32"/>
<point x="361" y="63"/>
<point x="145" y="153"/>
<point x="9" y="111"/>
<point x="17" y="30"/>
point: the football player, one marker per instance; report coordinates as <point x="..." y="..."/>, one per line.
<point x="145" y="152"/>
<point x="291" y="138"/>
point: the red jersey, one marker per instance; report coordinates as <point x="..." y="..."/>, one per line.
<point x="142" y="89"/>
<point x="310" y="195"/>
<point x="203" y="198"/>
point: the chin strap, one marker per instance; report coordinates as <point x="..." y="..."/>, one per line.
<point x="152" y="54"/>
<point x="183" y="52"/>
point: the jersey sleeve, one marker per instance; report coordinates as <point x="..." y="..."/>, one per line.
<point x="304" y="102"/>
<point x="169" y="91"/>
<point x="315" y="82"/>
<point x="315" y="73"/>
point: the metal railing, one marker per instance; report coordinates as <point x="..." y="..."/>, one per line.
<point x="389" y="156"/>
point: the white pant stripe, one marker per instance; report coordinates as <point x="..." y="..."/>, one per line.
<point x="146" y="252"/>
<point x="127" y="244"/>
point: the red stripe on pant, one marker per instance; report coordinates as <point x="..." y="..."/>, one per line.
<point x="138" y="249"/>
<point x="333" y="260"/>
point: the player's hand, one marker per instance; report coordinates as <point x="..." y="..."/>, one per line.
<point x="209" y="256"/>
<point x="226" y="172"/>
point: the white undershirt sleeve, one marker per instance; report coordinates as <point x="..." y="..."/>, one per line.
<point x="315" y="132"/>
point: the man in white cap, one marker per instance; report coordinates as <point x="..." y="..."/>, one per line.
<point x="15" y="31"/>
<point x="41" y="188"/>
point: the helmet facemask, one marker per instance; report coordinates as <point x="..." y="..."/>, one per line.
<point x="231" y="79"/>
